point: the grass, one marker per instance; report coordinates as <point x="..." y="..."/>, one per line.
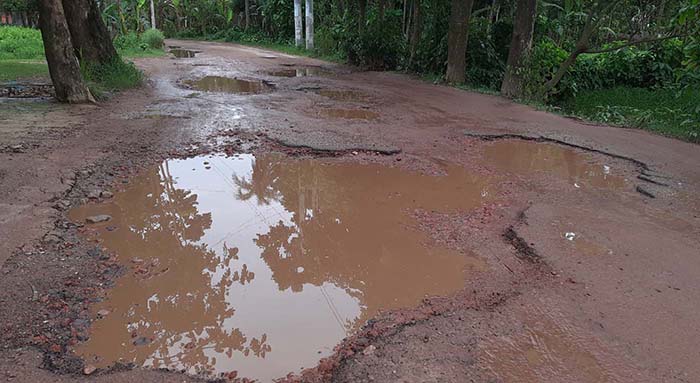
<point x="12" y="70"/>
<point x="22" y="57"/>
<point x="670" y="112"/>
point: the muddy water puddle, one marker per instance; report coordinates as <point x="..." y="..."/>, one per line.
<point x="228" y="85"/>
<point x="343" y="94"/>
<point x="528" y="157"/>
<point x="350" y="114"/>
<point x="261" y="265"/>
<point x="300" y="72"/>
<point x="183" y="53"/>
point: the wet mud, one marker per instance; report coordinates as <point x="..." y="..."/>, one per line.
<point x="224" y="252"/>
<point x="228" y="85"/>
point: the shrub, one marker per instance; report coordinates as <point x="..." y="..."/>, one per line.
<point x="114" y="76"/>
<point x="153" y="38"/>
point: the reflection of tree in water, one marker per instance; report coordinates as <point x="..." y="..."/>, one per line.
<point x="180" y="324"/>
<point x="345" y="229"/>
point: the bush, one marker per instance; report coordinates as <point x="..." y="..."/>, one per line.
<point x="153" y="38"/>
<point x="114" y="76"/>
<point x="20" y="43"/>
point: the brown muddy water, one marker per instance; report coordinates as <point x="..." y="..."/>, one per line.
<point x="343" y="94"/>
<point x="183" y="53"/>
<point x="228" y="85"/>
<point x="261" y="265"/>
<point x="300" y="72"/>
<point x="528" y="157"/>
<point x="350" y="114"/>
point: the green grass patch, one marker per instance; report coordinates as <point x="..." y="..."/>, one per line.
<point x="671" y="112"/>
<point x="12" y="70"/>
<point x="20" y="43"/>
<point x="115" y="76"/>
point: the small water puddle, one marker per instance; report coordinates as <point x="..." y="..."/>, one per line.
<point x="352" y="114"/>
<point x="528" y="157"/>
<point x="343" y="94"/>
<point x="261" y="265"/>
<point x="300" y="72"/>
<point x="183" y="53"/>
<point x="228" y="85"/>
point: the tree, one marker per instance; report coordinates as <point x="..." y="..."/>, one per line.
<point x="63" y="65"/>
<point x="457" y="36"/>
<point x="309" y="24"/>
<point x="416" y="31"/>
<point x="520" y="45"/>
<point x="88" y="34"/>
<point x="298" y="24"/>
<point x="247" y="14"/>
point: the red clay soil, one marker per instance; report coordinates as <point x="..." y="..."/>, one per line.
<point x="583" y="283"/>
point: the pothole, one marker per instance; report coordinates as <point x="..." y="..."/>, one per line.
<point x="343" y="94"/>
<point x="228" y="85"/>
<point x="261" y="265"/>
<point x="528" y="157"/>
<point x="352" y="114"/>
<point x="183" y="53"/>
<point x="308" y="71"/>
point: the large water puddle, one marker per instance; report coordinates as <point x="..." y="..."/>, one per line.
<point x="228" y="85"/>
<point x="261" y="265"/>
<point x="527" y="157"/>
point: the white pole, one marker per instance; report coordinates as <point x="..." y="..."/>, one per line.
<point x="309" y="24"/>
<point x="298" y="24"/>
<point x="153" y="15"/>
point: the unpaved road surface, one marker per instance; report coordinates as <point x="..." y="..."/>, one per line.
<point x="582" y="242"/>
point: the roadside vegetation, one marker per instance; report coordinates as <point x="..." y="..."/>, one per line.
<point x="22" y="58"/>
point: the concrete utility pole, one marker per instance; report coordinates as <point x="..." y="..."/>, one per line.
<point x="153" y="15"/>
<point x="298" y="24"/>
<point x="309" y="24"/>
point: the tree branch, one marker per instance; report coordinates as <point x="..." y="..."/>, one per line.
<point x="631" y="43"/>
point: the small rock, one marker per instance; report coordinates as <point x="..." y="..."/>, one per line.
<point x="369" y="350"/>
<point x="106" y="194"/>
<point x="103" y="313"/>
<point x="94" y="194"/>
<point x="98" y="218"/>
<point x="142" y="341"/>
<point x="89" y="369"/>
<point x="62" y="204"/>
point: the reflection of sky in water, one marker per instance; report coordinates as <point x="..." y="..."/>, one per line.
<point x="316" y="310"/>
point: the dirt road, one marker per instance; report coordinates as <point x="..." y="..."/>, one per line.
<point x="580" y="243"/>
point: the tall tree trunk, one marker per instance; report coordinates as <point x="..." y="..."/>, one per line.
<point x="247" y="14"/>
<point x="88" y="33"/>
<point x="63" y="65"/>
<point x="362" y="16"/>
<point x="457" y="37"/>
<point x="309" y="24"/>
<point x="520" y="45"/>
<point x="298" y="24"/>
<point x="153" y="15"/>
<point x="415" y="31"/>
